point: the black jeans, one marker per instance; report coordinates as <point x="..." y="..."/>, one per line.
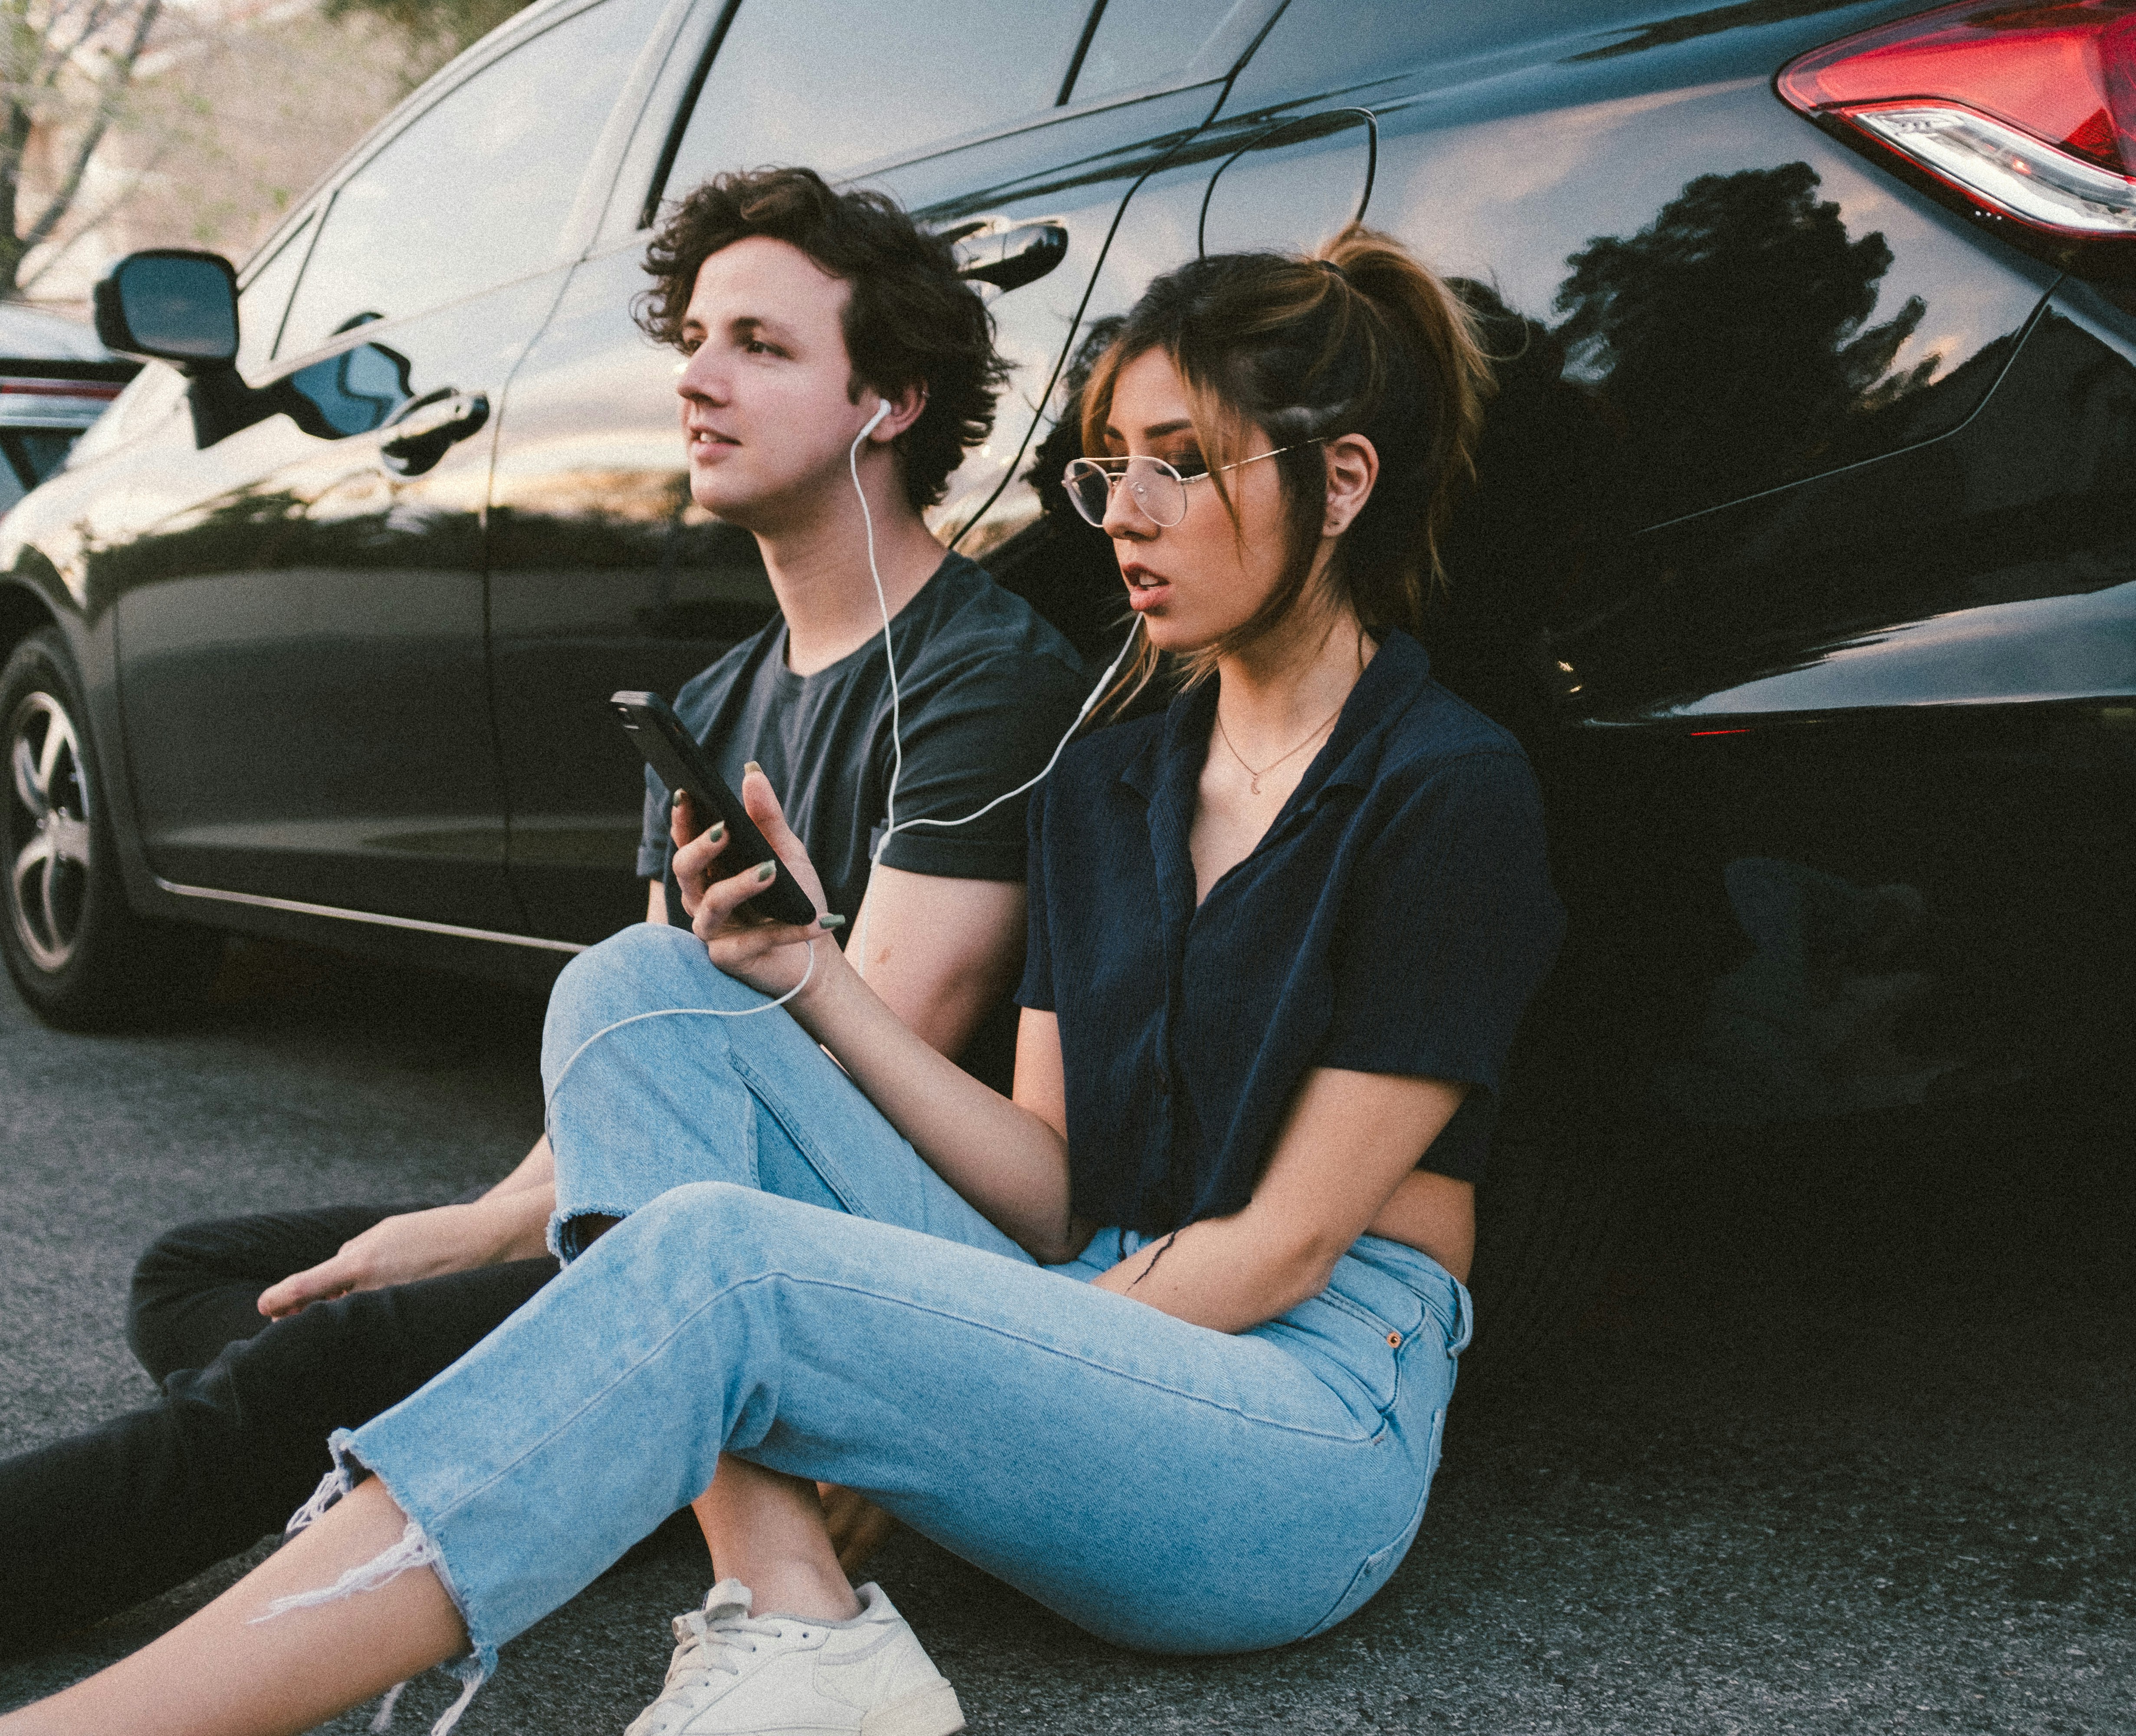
<point x="237" y="1441"/>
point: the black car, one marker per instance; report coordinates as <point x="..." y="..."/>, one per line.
<point x="1801" y="558"/>
<point x="56" y="379"/>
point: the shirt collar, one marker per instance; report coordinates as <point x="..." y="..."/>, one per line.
<point x="1170" y="760"/>
<point x="1167" y="769"/>
<point x="1391" y="683"/>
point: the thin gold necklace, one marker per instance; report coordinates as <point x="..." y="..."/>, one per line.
<point x="1278" y="760"/>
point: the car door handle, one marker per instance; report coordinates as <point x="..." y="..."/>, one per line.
<point x="1010" y="258"/>
<point x="422" y="431"/>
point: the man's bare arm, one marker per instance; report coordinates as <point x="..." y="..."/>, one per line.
<point x="940" y="953"/>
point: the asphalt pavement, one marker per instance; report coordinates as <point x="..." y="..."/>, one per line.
<point x="1845" y="1445"/>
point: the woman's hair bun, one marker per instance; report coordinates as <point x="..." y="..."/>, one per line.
<point x="1357" y="338"/>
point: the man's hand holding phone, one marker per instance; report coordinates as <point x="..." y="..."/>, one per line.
<point x="769" y="956"/>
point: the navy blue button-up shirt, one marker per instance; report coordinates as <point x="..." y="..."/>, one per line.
<point x="1396" y="917"/>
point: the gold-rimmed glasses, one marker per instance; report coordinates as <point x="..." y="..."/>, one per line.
<point x="1159" y="491"/>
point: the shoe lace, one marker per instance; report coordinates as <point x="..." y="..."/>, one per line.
<point x="716" y="1641"/>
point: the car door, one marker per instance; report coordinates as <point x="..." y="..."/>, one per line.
<point x="1118" y="164"/>
<point x="604" y="574"/>
<point x="301" y="603"/>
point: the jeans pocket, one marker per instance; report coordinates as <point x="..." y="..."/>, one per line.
<point x="1364" y="1348"/>
<point x="1395" y="1321"/>
<point x="1369" y="1322"/>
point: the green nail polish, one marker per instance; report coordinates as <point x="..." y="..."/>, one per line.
<point x="766" y="871"/>
<point x="833" y="921"/>
<point x="748" y="766"/>
<point x="717" y="830"/>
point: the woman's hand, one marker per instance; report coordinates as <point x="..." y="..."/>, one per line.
<point x="769" y="956"/>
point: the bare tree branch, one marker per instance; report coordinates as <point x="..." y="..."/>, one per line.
<point x="91" y="225"/>
<point x="99" y="14"/>
<point x="112" y="87"/>
<point x="87" y="91"/>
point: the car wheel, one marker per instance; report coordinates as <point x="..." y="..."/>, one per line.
<point x="75" y="949"/>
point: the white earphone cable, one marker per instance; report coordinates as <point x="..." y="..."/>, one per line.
<point x="550" y="1098"/>
<point x="859" y="948"/>
<point x="857" y="951"/>
<point x="891" y="826"/>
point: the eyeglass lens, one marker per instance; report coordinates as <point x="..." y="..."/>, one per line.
<point x="1153" y="485"/>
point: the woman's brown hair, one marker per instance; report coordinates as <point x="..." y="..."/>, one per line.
<point x="1359" y="338"/>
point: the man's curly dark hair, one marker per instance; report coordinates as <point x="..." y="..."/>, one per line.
<point x="910" y="321"/>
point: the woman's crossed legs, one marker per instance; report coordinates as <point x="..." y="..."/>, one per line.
<point x="1161" y="1485"/>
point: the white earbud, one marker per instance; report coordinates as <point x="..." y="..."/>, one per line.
<point x="882" y="410"/>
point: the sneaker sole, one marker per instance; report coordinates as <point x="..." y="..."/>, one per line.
<point x="933" y="1711"/>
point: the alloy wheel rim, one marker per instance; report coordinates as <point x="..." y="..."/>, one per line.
<point x="47" y="834"/>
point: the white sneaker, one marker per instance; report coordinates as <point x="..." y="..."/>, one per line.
<point x="734" y="1674"/>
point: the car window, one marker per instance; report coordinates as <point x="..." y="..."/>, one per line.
<point x="1139" y="43"/>
<point x="351" y="392"/>
<point x="261" y="303"/>
<point x="35" y="453"/>
<point x="17" y="476"/>
<point x="830" y="84"/>
<point x="475" y="192"/>
<point x="1325" y="44"/>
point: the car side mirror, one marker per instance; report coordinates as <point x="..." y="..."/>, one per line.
<point x="181" y="306"/>
<point x="172" y="303"/>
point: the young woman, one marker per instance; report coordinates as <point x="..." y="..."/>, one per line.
<point x="1166" y="1339"/>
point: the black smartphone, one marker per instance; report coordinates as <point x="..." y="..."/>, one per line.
<point x="682" y="765"/>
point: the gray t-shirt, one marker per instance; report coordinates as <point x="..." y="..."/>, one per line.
<point x="986" y="688"/>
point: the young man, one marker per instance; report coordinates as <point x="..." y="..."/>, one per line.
<point x="800" y="310"/>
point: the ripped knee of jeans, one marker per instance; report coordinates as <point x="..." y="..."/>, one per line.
<point x="413" y="1548"/>
<point x="569" y="1237"/>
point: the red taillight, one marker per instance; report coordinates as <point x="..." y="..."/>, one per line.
<point x="2029" y="111"/>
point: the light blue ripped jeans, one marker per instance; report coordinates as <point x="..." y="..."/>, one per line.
<point x="791" y="1283"/>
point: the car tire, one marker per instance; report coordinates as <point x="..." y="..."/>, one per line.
<point x="80" y="956"/>
<point x="1549" y="1214"/>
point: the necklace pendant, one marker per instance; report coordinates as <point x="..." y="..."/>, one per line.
<point x="1257" y="786"/>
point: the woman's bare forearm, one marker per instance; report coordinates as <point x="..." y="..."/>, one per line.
<point x="1229" y="1274"/>
<point x="1347" y="1145"/>
<point x="1008" y="1163"/>
<point x="1011" y="1165"/>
